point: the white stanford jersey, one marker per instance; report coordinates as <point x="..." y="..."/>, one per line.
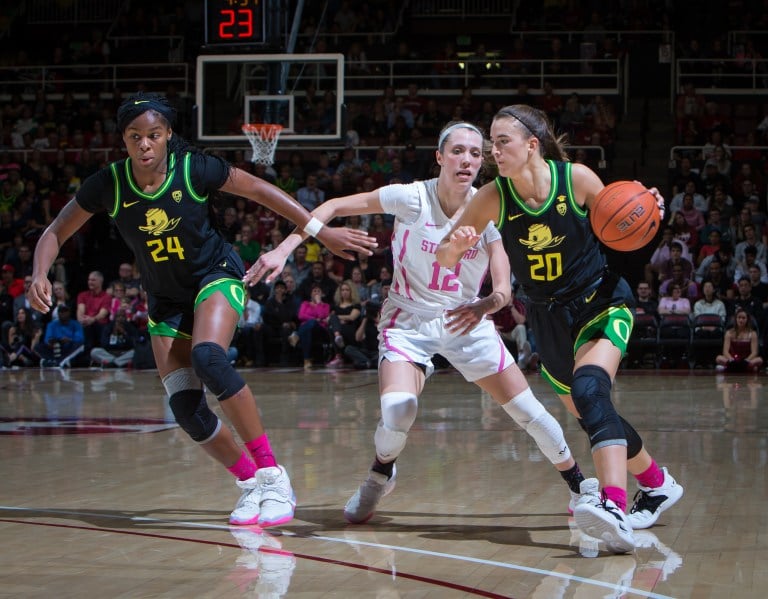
<point x="419" y="283"/>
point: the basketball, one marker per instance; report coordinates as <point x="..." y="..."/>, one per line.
<point x="624" y="216"/>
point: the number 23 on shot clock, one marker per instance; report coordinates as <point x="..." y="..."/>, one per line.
<point x="234" y="22"/>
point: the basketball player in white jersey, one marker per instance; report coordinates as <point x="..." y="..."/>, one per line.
<point x="433" y="310"/>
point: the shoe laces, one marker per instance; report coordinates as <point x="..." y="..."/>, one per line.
<point x="275" y="484"/>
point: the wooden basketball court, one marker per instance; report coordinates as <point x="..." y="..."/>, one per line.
<point x="101" y="496"/>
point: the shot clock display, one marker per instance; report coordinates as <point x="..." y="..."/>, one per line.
<point x="234" y="21"/>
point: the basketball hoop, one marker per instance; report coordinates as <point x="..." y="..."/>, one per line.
<point x="263" y="138"/>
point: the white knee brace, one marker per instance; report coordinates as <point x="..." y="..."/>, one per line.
<point x="534" y="419"/>
<point x="398" y="412"/>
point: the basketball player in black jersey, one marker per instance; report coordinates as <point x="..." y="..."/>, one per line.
<point x="580" y="312"/>
<point x="159" y="199"/>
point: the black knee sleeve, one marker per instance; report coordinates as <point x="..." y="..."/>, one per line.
<point x="213" y="368"/>
<point x="634" y="442"/>
<point x="193" y="414"/>
<point x="591" y="393"/>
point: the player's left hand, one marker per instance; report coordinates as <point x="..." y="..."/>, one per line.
<point x="463" y="319"/>
<point x="270" y="264"/>
<point x="342" y="240"/>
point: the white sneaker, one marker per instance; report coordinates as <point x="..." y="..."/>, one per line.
<point x="247" y="509"/>
<point x="293" y="339"/>
<point x="362" y="504"/>
<point x="278" y="501"/>
<point x="651" y="502"/>
<point x="605" y="522"/>
<point x="589" y="490"/>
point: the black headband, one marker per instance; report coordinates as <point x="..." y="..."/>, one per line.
<point x="137" y="105"/>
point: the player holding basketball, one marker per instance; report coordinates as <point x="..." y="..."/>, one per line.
<point x="434" y="310"/>
<point x="159" y="200"/>
<point x="540" y="203"/>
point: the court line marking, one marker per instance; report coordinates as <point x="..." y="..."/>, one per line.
<point x="285" y="533"/>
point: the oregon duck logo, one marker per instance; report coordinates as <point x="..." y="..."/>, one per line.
<point x="176" y="195"/>
<point x="540" y="238"/>
<point x="158" y="222"/>
<point x="561" y="206"/>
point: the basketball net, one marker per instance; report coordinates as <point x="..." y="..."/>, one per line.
<point x="263" y="138"/>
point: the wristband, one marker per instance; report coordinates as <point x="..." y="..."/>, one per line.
<point x="312" y="228"/>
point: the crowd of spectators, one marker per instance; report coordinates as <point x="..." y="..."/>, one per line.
<point x="50" y="141"/>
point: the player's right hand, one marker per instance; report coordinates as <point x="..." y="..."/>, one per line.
<point x="39" y="294"/>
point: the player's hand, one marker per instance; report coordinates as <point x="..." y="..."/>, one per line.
<point x="463" y="239"/>
<point x="342" y="240"/>
<point x="659" y="200"/>
<point x="39" y="294"/>
<point x="463" y="319"/>
<point x="270" y="264"/>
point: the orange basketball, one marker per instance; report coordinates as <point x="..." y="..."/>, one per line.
<point x="624" y="216"/>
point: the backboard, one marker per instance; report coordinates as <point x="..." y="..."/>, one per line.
<point x="302" y="92"/>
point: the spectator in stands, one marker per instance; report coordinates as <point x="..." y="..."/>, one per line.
<point x="740" y="346"/>
<point x="301" y="266"/>
<point x="716" y="274"/>
<point x="550" y="102"/>
<point x="759" y="281"/>
<point x="313" y="324"/>
<point x="310" y="195"/>
<point x="250" y="336"/>
<point x="715" y="222"/>
<point x="14" y="285"/>
<point x="738" y="225"/>
<point x="120" y="301"/>
<point x="677" y="203"/>
<point x="60" y="297"/>
<point x="383" y="235"/>
<point x="742" y="194"/>
<point x="750" y="259"/>
<point x="316" y="277"/>
<point x="688" y="288"/>
<point x="683" y="232"/>
<point x="281" y="319"/>
<point x="709" y="303"/>
<point x="746" y="301"/>
<point x="6" y="305"/>
<point x="344" y="319"/>
<point x="247" y="246"/>
<point x="63" y="340"/>
<point x="364" y="351"/>
<point x="747" y="172"/>
<point x="644" y="303"/>
<point x="712" y="178"/>
<point x="118" y="339"/>
<point x="682" y="174"/>
<point x="286" y="181"/>
<point x="93" y="309"/>
<point x="757" y="215"/>
<point x="751" y="239"/>
<point x="21" y="302"/>
<point x="18" y="339"/>
<point x="674" y="303"/>
<point x="712" y="246"/>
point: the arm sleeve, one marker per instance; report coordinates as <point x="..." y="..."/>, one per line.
<point x="402" y="200"/>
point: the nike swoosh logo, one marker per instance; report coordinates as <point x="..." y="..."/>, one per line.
<point x="129" y="204"/>
<point x="513" y="216"/>
<point x="140" y="102"/>
<point x="590" y="297"/>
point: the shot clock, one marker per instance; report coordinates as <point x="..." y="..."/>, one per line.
<point x="230" y="22"/>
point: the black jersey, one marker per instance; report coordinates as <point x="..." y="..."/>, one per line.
<point x="552" y="250"/>
<point x="170" y="230"/>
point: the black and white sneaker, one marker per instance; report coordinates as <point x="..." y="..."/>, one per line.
<point x="605" y="522"/>
<point x="650" y="502"/>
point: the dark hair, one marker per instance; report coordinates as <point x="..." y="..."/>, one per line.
<point x="676" y="244"/>
<point x="536" y="124"/>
